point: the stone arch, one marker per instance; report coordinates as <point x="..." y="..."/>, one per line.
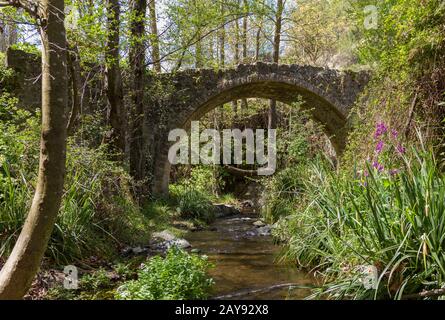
<point x="327" y="94"/>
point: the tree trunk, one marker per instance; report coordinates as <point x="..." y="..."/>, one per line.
<point x="137" y="63"/>
<point x="2" y="36"/>
<point x="22" y="265"/>
<point x="276" y="57"/>
<point x="155" y="51"/>
<point x="199" y="63"/>
<point x="74" y="75"/>
<point x="222" y="41"/>
<point x="237" y="60"/>
<point x="245" y="20"/>
<point x="244" y="104"/>
<point x="12" y="33"/>
<point x="258" y="40"/>
<point x="114" y="79"/>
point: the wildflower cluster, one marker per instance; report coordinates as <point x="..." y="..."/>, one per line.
<point x="386" y="141"/>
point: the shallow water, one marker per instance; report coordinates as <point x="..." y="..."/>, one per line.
<point x="246" y="262"/>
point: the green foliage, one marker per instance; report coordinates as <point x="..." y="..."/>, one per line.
<point x="97" y="206"/>
<point x="393" y="222"/>
<point x="98" y="284"/>
<point x="203" y="179"/>
<point x="95" y="281"/>
<point x="7" y="81"/>
<point x="27" y="47"/>
<point x="282" y="191"/>
<point x="300" y="143"/>
<point x="178" y="276"/>
<point x="193" y="195"/>
<point x="406" y="54"/>
<point x="191" y="203"/>
<point x="408" y="34"/>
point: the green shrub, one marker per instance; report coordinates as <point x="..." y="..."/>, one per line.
<point x="191" y="203"/>
<point x="282" y="193"/>
<point x="180" y="276"/>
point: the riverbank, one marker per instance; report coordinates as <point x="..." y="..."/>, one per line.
<point x="238" y="245"/>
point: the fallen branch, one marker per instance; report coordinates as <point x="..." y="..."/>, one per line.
<point x="241" y="172"/>
<point x="410" y="115"/>
<point x="425" y="294"/>
<point x="254" y="291"/>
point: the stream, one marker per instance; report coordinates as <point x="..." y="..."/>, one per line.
<point x="245" y="262"/>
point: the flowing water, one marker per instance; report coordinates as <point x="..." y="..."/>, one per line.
<point x="245" y="263"/>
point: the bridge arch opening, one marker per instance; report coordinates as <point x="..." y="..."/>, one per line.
<point x="323" y="108"/>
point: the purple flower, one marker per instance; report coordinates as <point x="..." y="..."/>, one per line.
<point x="380" y="130"/>
<point x="394" y="133"/>
<point x="401" y="149"/>
<point x="379" y="147"/>
<point x="394" y="172"/>
<point x="378" y="166"/>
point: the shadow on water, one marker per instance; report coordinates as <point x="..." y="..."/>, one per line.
<point x="245" y="263"/>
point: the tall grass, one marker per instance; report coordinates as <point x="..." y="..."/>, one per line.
<point x="393" y="222"/>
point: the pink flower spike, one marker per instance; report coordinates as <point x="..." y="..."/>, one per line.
<point x="379" y="147"/>
<point x="380" y="130"/>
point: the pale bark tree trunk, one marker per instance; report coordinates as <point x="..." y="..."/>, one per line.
<point x="244" y="104"/>
<point x="198" y="52"/>
<point x="75" y="79"/>
<point x="22" y="265"/>
<point x="222" y="46"/>
<point x="244" y="36"/>
<point x="8" y="35"/>
<point x="276" y="57"/>
<point x="222" y="41"/>
<point x="155" y="50"/>
<point x="199" y="62"/>
<point x="137" y="63"/>
<point x="258" y="40"/>
<point x="2" y="37"/>
<point x="12" y="34"/>
<point x="237" y="60"/>
<point x="114" y="87"/>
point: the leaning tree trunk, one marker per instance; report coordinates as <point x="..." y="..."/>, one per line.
<point x="22" y="265"/>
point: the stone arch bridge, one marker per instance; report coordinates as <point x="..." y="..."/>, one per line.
<point x="328" y="95"/>
<point x="174" y="100"/>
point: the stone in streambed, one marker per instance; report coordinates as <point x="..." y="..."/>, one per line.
<point x="164" y="235"/>
<point x="179" y="243"/>
<point x="264" y="231"/>
<point x="225" y="210"/>
<point x="259" y="224"/>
